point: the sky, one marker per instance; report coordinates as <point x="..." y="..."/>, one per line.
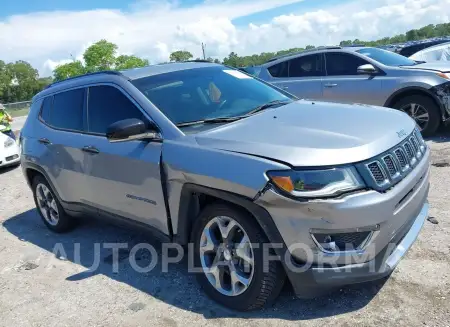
<point x="51" y="32"/>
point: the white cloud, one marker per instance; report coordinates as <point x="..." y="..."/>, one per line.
<point x="153" y="29"/>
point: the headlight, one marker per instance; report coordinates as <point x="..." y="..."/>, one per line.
<point x="9" y="142"/>
<point x="317" y="183"/>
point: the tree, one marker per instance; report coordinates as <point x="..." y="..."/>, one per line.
<point x="308" y="47"/>
<point x="181" y="56"/>
<point x="71" y="69"/>
<point x="412" y="35"/>
<point x="100" y="56"/>
<point x="127" y="62"/>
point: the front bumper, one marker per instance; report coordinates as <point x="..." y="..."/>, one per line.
<point x="9" y="155"/>
<point x="319" y="279"/>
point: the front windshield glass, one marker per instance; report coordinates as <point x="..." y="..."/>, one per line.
<point x="387" y="58"/>
<point x="206" y="93"/>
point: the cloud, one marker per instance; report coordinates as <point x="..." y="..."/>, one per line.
<point x="153" y="29"/>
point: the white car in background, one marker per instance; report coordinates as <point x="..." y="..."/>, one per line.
<point x="9" y="151"/>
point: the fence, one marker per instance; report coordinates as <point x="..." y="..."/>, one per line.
<point x="17" y="109"/>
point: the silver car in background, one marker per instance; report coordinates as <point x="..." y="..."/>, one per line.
<point x="368" y="76"/>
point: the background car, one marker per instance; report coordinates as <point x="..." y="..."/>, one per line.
<point x="9" y="151"/>
<point x="368" y="76"/>
<point x="440" y="52"/>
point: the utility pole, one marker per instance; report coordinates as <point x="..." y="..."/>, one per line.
<point x="203" y="50"/>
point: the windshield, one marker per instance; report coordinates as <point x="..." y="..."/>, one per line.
<point x="387" y="58"/>
<point x="206" y="93"/>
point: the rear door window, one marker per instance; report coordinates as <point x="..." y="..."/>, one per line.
<point x="46" y="109"/>
<point x="65" y="110"/>
<point x="306" y="66"/>
<point x="279" y="70"/>
<point x="107" y="105"/>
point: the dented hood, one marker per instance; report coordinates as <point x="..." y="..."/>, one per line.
<point x="306" y="133"/>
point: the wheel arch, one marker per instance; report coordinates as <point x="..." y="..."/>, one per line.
<point x="193" y="201"/>
<point x="415" y="90"/>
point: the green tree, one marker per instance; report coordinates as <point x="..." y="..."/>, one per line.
<point x="100" y="56"/>
<point x="127" y="62"/>
<point x="181" y="55"/>
<point x="412" y="35"/>
<point x="71" y="69"/>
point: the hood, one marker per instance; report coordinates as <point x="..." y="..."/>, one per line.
<point x="438" y="66"/>
<point x="305" y="133"/>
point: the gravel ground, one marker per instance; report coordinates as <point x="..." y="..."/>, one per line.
<point x="40" y="288"/>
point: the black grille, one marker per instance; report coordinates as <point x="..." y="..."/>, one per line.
<point x="343" y="241"/>
<point x="401" y="158"/>
<point x="387" y="169"/>
<point x="12" y="157"/>
<point x="414" y="143"/>
<point x="390" y="165"/>
<point x="377" y="172"/>
<point x="409" y="151"/>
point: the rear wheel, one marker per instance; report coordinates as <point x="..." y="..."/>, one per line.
<point x="228" y="246"/>
<point x="423" y="110"/>
<point x="49" y="208"/>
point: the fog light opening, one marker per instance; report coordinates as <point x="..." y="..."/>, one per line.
<point x="342" y="242"/>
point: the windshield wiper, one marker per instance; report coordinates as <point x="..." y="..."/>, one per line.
<point x="235" y="118"/>
<point x="267" y="106"/>
<point x="211" y="121"/>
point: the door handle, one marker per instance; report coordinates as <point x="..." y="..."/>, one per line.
<point x="44" y="141"/>
<point x="90" y="149"/>
<point x="330" y="85"/>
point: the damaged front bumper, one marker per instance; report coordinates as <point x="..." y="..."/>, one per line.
<point x="442" y="92"/>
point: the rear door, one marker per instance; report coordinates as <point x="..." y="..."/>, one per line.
<point x="301" y="76"/>
<point x="343" y="84"/>
<point x="124" y="178"/>
<point x="60" y="139"/>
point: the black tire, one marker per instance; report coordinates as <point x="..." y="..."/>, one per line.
<point x="65" y="223"/>
<point x="265" y="285"/>
<point x="429" y="105"/>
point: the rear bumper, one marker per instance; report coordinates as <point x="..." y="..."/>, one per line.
<point x="318" y="279"/>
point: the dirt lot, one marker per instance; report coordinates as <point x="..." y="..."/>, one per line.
<point x="39" y="288"/>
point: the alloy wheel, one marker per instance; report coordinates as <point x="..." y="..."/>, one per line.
<point x="226" y="256"/>
<point x="418" y="113"/>
<point x="47" y="204"/>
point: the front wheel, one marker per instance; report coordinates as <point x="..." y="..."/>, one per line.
<point x="423" y="110"/>
<point x="229" y="248"/>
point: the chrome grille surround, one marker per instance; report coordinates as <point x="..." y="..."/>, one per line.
<point x="387" y="169"/>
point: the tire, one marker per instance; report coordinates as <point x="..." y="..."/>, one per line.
<point x="265" y="284"/>
<point x="64" y="222"/>
<point x="428" y="104"/>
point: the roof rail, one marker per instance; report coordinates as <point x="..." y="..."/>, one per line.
<point x="304" y="51"/>
<point x="111" y="72"/>
<point x="199" y="60"/>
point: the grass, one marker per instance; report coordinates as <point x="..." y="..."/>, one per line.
<point x="19" y="112"/>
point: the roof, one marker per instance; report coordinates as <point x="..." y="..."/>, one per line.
<point x="293" y="54"/>
<point x="152" y="70"/>
<point x="129" y="74"/>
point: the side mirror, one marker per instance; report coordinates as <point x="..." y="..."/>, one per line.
<point x="366" y="69"/>
<point x="131" y="129"/>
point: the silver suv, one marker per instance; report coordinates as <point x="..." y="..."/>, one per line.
<point x="365" y="75"/>
<point x="260" y="184"/>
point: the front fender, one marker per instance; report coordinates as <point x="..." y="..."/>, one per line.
<point x="234" y="173"/>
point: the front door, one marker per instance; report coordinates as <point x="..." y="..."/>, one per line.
<point x="124" y="178"/>
<point x="343" y="84"/>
